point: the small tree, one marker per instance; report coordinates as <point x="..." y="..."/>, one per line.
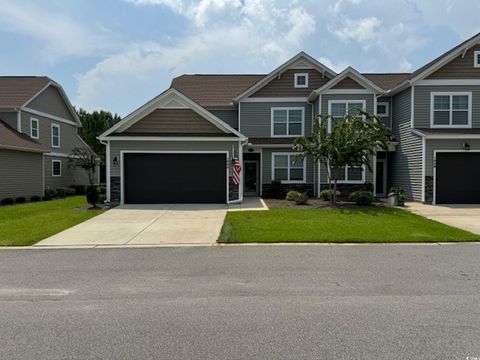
<point x="81" y="158"/>
<point x="350" y="142"/>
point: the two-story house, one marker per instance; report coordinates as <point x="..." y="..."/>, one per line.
<point x="179" y="147"/>
<point x="38" y="131"/>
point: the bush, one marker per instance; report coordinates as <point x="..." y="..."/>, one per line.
<point x="102" y="190"/>
<point x="292" y="195"/>
<point x="101" y="198"/>
<point x="92" y="195"/>
<point x="367" y="187"/>
<point x="326" y="194"/>
<point x="20" y="200"/>
<point x="6" y="201"/>
<point x="301" y="199"/>
<point x="79" y="189"/>
<point x="276" y="188"/>
<point x="35" y="198"/>
<point x="60" y="192"/>
<point x="50" y="194"/>
<point x="46" y="198"/>
<point x="69" y="191"/>
<point x="362" y="197"/>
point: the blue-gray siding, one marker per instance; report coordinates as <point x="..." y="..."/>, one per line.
<point x="451" y="144"/>
<point x="267" y="165"/>
<point x="228" y="116"/>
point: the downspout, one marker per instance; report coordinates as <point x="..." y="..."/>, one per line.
<point x="107" y="166"/>
<point x="311" y="131"/>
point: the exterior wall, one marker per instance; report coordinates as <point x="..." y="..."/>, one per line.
<point x="386" y="119"/>
<point x="10" y="118"/>
<point x="422" y="103"/>
<point x="284" y="86"/>
<point x="367" y="97"/>
<point x="69" y="176"/>
<point x="348" y="83"/>
<point x="21" y="174"/>
<point x="405" y="167"/>
<point x="173" y="121"/>
<point x="256" y="117"/>
<point x="51" y="102"/>
<point x="228" y="116"/>
<point x="324" y="176"/>
<point x="459" y="68"/>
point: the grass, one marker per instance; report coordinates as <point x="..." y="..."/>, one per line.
<point x="375" y="224"/>
<point x="26" y="224"/>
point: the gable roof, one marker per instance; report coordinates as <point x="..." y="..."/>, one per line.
<point x="387" y="81"/>
<point x="12" y="139"/>
<point x="215" y="89"/>
<point x="15" y="91"/>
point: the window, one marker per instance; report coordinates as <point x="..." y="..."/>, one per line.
<point x="287" y="122"/>
<point x="55" y="135"/>
<point x="476" y="59"/>
<point x="382" y="109"/>
<point x="56" y="167"/>
<point x="351" y="175"/>
<point x="338" y="109"/>
<point x="451" y="110"/>
<point x="301" y="80"/>
<point x="34" y="128"/>
<point x="288" y="168"/>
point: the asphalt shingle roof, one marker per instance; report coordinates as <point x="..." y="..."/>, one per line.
<point x="15" y="91"/>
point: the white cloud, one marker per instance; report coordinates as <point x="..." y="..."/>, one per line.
<point x="362" y="30"/>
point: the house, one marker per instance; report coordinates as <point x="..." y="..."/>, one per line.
<point x="179" y="146"/>
<point x="38" y="130"/>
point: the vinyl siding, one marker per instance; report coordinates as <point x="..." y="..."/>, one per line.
<point x="450" y="144"/>
<point x="324" y="174"/>
<point x="386" y="119"/>
<point x="405" y="167"/>
<point x="10" y="118"/>
<point x="70" y="176"/>
<point x="367" y="97"/>
<point x="228" y="116"/>
<point x="422" y="103"/>
<point x="21" y="174"/>
<point x="255" y="118"/>
<point x="51" y="102"/>
<point x="348" y="83"/>
<point x="267" y="165"/>
<point x="459" y="68"/>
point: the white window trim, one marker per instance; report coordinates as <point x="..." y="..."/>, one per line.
<point x="34" y="120"/>
<point x="387" y="109"/>
<point x="273" y="109"/>
<point x="353" y="181"/>
<point x="60" y="162"/>
<point x="476" y="63"/>
<point x="288" y="168"/>
<point x="346" y="102"/>
<point x="296" y="85"/>
<point x="450" y="93"/>
<point x="58" y="127"/>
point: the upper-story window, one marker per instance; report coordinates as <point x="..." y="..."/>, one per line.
<point x="34" y="129"/>
<point x="382" y="109"/>
<point x="55" y="135"/>
<point x="301" y="80"/>
<point x="476" y="59"/>
<point x="338" y="109"/>
<point x="287" y="122"/>
<point x="451" y="109"/>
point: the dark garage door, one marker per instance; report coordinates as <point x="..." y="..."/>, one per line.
<point x="458" y="178"/>
<point x="174" y="178"/>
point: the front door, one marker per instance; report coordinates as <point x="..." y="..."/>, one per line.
<point x="381" y="182"/>
<point x="251" y="177"/>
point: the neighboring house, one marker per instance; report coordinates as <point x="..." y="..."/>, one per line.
<point x="179" y="146"/>
<point x="38" y="130"/>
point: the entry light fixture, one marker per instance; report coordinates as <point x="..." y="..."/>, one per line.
<point x="466" y="145"/>
<point x="115" y="160"/>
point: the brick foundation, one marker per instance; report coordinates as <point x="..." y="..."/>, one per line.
<point x="115" y="189"/>
<point x="428" y="189"/>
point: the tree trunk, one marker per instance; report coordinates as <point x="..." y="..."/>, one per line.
<point x="334" y="192"/>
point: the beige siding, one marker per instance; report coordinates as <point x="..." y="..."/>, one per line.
<point x="459" y="68"/>
<point x="69" y="176"/>
<point x="173" y="121"/>
<point x="21" y="174"/>
<point x="51" y="102"/>
<point x="10" y="118"/>
<point x="348" y="83"/>
<point x="284" y="86"/>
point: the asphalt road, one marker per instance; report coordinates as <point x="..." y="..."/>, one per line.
<point x="290" y="302"/>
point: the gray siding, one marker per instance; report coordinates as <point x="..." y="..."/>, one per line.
<point x="21" y="174"/>
<point x="451" y="144"/>
<point x="51" y="102"/>
<point x="367" y="97"/>
<point x="70" y="176"/>
<point x="255" y="118"/>
<point x="10" y="118"/>
<point x="459" y="68"/>
<point x="267" y="165"/>
<point x="228" y="116"/>
<point x="405" y="169"/>
<point x="422" y="103"/>
<point x="386" y="119"/>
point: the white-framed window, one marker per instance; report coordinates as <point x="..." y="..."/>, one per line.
<point x="451" y="110"/>
<point x="476" y="59"/>
<point x="288" y="168"/>
<point x="34" y="129"/>
<point x="301" y="80"/>
<point x="383" y="109"/>
<point x="56" y="167"/>
<point x="55" y="135"/>
<point x="338" y="109"/>
<point x="352" y="175"/>
<point x="287" y="122"/>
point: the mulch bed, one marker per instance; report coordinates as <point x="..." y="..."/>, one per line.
<point x="314" y="203"/>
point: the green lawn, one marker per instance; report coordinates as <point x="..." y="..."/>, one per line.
<point x="28" y="223"/>
<point x="336" y="225"/>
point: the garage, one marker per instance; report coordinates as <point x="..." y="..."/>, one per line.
<point x="457" y="178"/>
<point x="156" y="178"/>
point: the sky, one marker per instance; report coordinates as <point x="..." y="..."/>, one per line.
<point x="117" y="54"/>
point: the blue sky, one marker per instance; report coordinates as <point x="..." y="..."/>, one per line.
<point x="117" y="54"/>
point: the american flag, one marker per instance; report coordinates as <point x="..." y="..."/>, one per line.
<point x="236" y="171"/>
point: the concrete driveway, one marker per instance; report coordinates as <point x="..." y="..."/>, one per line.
<point x="192" y="224"/>
<point x="466" y="217"/>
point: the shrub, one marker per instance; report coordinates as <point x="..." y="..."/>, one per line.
<point x="6" y="201"/>
<point x="92" y="195"/>
<point x="102" y="190"/>
<point x="79" y="189"/>
<point x="367" y="187"/>
<point x="362" y="197"/>
<point x="20" y="200"/>
<point x="399" y="193"/>
<point x="276" y="188"/>
<point x="326" y="194"/>
<point x="50" y="194"/>
<point x="292" y="195"/>
<point x="60" y="192"/>
<point x="101" y="198"/>
<point x="301" y="199"/>
<point x="69" y="191"/>
<point x="46" y="198"/>
<point x="35" y="198"/>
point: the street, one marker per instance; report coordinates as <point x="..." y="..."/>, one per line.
<point x="245" y="302"/>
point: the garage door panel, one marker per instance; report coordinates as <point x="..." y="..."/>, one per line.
<point x="174" y="178"/>
<point x="457" y="178"/>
